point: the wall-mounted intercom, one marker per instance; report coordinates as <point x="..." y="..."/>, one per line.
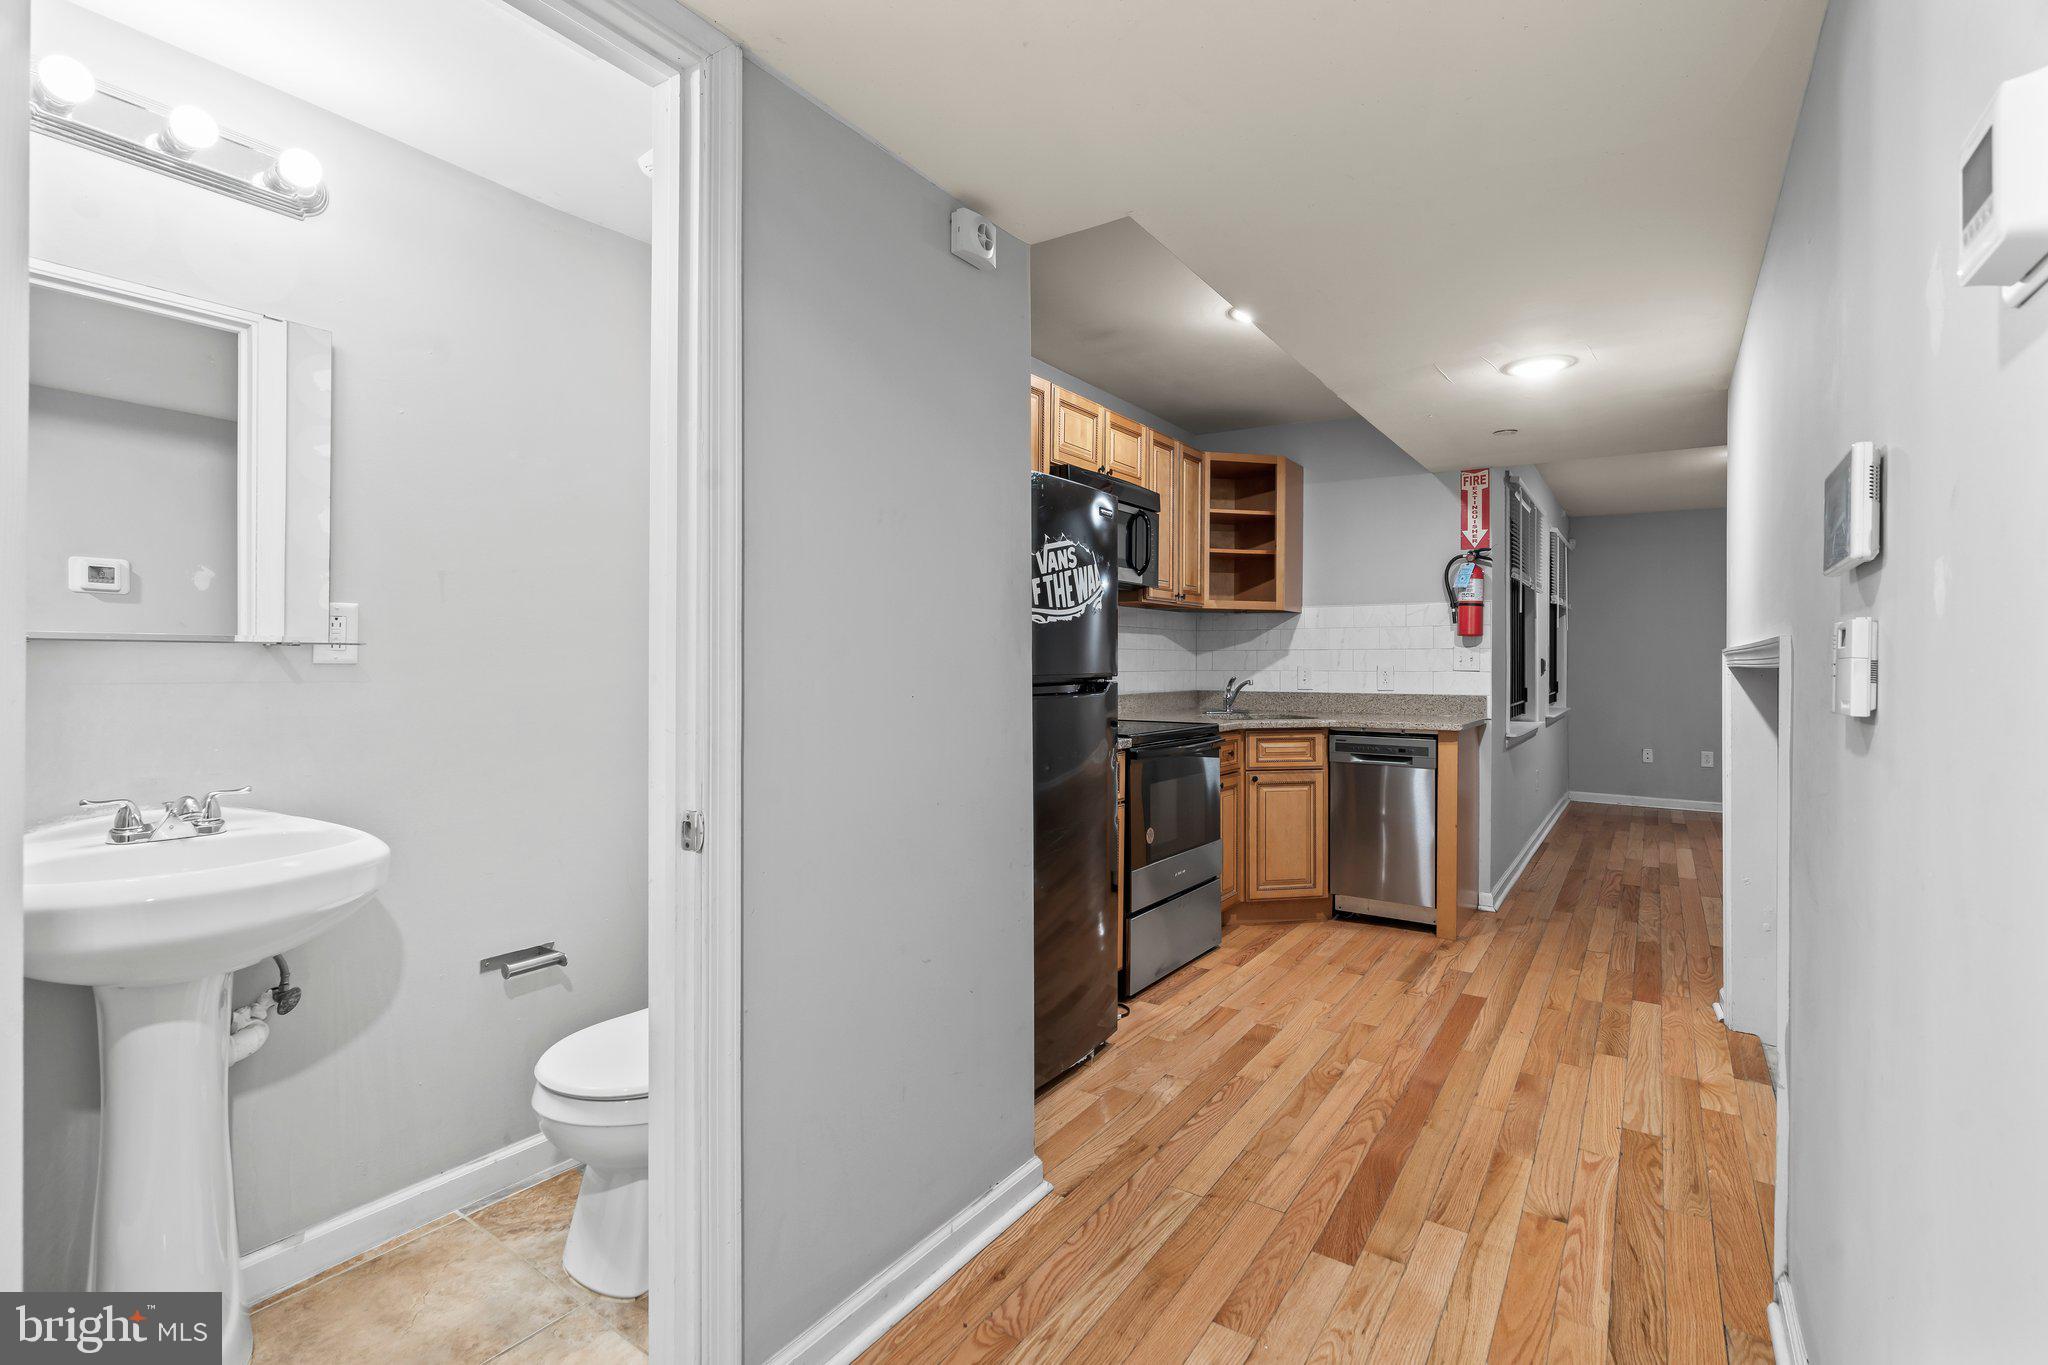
<point x="1852" y="528"/>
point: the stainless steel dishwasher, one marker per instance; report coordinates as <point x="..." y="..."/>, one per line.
<point x="1383" y="825"/>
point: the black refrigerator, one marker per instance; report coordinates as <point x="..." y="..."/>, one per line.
<point x="1073" y="754"/>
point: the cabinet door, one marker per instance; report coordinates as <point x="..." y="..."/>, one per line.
<point x="1076" y="430"/>
<point x="1191" y="515"/>
<point x="1124" y="447"/>
<point x="1286" y="815"/>
<point x="1232" y="810"/>
<point x="1041" y="425"/>
<point x="1162" y="472"/>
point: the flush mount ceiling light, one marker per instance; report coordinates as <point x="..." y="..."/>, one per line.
<point x="1243" y="315"/>
<point x="1539" y="366"/>
<point x="185" y="143"/>
<point x="60" y="84"/>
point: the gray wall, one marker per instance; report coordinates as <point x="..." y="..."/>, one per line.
<point x="1377" y="525"/>
<point x="490" y="500"/>
<point x="1523" y="773"/>
<point x="888" y="949"/>
<point x="14" y="139"/>
<point x="1916" y="935"/>
<point x="155" y="487"/>
<point x="1648" y="620"/>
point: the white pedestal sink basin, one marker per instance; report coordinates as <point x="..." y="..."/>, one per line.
<point x="158" y="930"/>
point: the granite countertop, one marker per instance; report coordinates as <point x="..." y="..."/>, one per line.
<point x="1394" y="712"/>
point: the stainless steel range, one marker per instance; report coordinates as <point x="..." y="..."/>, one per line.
<point x="1173" y="839"/>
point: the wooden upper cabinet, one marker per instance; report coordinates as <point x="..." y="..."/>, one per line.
<point x="1041" y="425"/>
<point x="1124" y="445"/>
<point x="1191" y="528"/>
<point x="1254" y="509"/>
<point x="1286" y="822"/>
<point x="1077" y="435"/>
<point x="1162" y="467"/>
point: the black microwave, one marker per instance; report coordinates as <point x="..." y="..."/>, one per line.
<point x="1137" y="525"/>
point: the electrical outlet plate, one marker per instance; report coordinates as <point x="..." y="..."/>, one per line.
<point x="1466" y="660"/>
<point x="1302" y="681"/>
<point x="1383" y="679"/>
<point x="344" y="638"/>
<point x="1649" y="755"/>
<point x="1706" y="758"/>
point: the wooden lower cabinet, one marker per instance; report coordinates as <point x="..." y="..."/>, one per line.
<point x="1286" y="833"/>
<point x="1232" y="810"/>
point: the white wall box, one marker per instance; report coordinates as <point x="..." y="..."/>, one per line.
<point x="1854" y="666"/>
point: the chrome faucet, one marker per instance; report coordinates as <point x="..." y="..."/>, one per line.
<point x="1231" y="691"/>
<point x="183" y="818"/>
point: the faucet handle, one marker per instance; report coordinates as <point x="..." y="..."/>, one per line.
<point x="210" y="820"/>
<point x="129" y="826"/>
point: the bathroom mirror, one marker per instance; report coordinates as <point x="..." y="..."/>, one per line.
<point x="178" y="466"/>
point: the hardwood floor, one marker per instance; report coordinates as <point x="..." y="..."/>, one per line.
<point x="1343" y="1142"/>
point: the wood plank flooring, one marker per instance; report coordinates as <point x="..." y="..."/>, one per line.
<point x="1343" y="1142"/>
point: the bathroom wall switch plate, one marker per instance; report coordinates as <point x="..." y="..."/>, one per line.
<point x="1649" y="755"/>
<point x="344" y="638"/>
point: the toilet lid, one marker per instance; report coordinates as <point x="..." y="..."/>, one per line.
<point x="606" y="1061"/>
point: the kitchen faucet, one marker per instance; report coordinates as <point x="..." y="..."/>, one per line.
<point x="1231" y="691"/>
<point x="183" y="818"/>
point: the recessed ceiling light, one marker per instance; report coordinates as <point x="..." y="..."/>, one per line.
<point x="1507" y="431"/>
<point x="1539" y="366"/>
<point x="1243" y="315"/>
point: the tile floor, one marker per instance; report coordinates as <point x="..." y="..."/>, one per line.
<point x="486" y="1284"/>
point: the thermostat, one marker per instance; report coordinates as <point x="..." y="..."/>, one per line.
<point x="2003" y="179"/>
<point x="90" y="574"/>
<point x="974" y="239"/>
<point x="1852" y="530"/>
<point x="1854" y="666"/>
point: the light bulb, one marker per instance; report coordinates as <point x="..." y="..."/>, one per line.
<point x="1539" y="366"/>
<point x="1243" y="315"/>
<point x="296" y="172"/>
<point x="188" y="129"/>
<point x="62" y="83"/>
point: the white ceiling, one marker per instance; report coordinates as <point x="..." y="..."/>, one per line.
<point x="473" y="82"/>
<point x="1407" y="194"/>
<point x="1661" y="481"/>
<point x="1112" y="305"/>
<point x="91" y="346"/>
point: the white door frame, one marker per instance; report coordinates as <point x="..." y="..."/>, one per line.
<point x="14" y="56"/>
<point x="693" y="661"/>
<point x="1773" y="653"/>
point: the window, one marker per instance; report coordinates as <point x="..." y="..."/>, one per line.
<point x="1525" y="533"/>
<point x="1560" y="613"/>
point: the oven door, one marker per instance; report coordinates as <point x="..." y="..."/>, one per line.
<point x="1137" y="546"/>
<point x="1174" y="828"/>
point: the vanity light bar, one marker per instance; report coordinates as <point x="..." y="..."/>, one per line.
<point x="184" y="143"/>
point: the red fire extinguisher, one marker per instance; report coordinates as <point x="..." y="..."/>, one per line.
<point x="1472" y="600"/>
<point x="1465" y="574"/>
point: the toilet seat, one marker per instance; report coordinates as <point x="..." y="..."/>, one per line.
<point x="604" y="1064"/>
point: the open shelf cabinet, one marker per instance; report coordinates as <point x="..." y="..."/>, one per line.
<point x="1254" y="533"/>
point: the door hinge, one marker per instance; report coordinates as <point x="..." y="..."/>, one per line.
<point x="693" y="831"/>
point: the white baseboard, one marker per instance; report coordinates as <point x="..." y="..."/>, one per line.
<point x="1653" y="802"/>
<point x="1788" y="1339"/>
<point x="283" y="1264"/>
<point x="1496" y="898"/>
<point x="859" y="1320"/>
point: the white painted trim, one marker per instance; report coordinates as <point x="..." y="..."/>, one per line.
<point x="14" y="60"/>
<point x="1651" y="802"/>
<point x="303" y="1255"/>
<point x="1764" y="653"/>
<point x="1494" y="899"/>
<point x="693" y="659"/>
<point x="1788" y="1338"/>
<point x="860" y="1319"/>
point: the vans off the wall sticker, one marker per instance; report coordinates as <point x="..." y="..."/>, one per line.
<point x="1067" y="581"/>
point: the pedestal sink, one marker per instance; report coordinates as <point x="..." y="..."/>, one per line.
<point x="157" y="930"/>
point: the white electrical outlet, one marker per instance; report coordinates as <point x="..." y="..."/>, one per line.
<point x="1301" y="678"/>
<point x="1706" y="758"/>
<point x="1383" y="679"/>
<point x="344" y="638"/>
<point x="1466" y="660"/>
<point x="1649" y="755"/>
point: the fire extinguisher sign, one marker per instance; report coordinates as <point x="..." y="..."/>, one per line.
<point x="1475" y="492"/>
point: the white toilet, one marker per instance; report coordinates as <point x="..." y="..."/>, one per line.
<point x="590" y="1091"/>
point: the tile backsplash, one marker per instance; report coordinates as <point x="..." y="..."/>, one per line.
<point x="1385" y="647"/>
